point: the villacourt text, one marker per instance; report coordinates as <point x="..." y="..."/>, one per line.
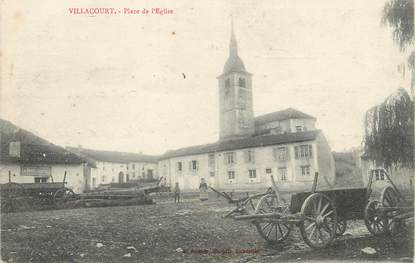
<point x="94" y="11"/>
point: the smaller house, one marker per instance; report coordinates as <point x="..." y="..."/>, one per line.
<point x="117" y="167"/>
<point x="27" y="158"/>
<point x="402" y="177"/>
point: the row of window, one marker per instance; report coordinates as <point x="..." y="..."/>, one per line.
<point x="241" y="83"/>
<point x="282" y="173"/>
<point x="280" y="154"/>
<point x="193" y="166"/>
<point x="103" y="177"/>
<point x="379" y="175"/>
<point x="121" y="166"/>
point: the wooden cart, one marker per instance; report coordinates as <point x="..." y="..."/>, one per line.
<point x="319" y="215"/>
<point x="24" y="196"/>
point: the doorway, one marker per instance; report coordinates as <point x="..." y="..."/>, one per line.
<point x="121" y="177"/>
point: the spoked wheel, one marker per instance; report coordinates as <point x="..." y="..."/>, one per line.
<point x="375" y="222"/>
<point x="389" y="198"/>
<point x="320" y="221"/>
<point x="272" y="231"/>
<point x="13" y="198"/>
<point x="341" y="227"/>
<point x="62" y="196"/>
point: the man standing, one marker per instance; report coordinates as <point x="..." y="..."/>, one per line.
<point x="177" y="193"/>
<point x="203" y="190"/>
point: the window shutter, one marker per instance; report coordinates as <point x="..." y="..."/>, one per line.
<point x="225" y="156"/>
<point x="253" y="156"/>
<point x="190" y="165"/>
<point x="287" y="153"/>
<point x="234" y="157"/>
<point x="246" y="156"/>
<point x="197" y="165"/>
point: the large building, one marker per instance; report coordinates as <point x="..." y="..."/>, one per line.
<point x="285" y="144"/>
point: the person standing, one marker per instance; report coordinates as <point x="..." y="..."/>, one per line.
<point x="177" y="193"/>
<point x="203" y="190"/>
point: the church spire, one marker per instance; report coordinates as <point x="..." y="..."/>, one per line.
<point x="233" y="46"/>
<point x="234" y="62"/>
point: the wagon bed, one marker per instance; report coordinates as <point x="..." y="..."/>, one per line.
<point x="24" y="196"/>
<point x="350" y="203"/>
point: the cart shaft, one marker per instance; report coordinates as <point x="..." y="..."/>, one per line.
<point x="277" y="217"/>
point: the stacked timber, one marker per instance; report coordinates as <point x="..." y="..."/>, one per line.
<point x="110" y="197"/>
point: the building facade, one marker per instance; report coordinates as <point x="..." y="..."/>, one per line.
<point x="247" y="164"/>
<point x="27" y="158"/>
<point x="285" y="144"/>
<point x="118" y="167"/>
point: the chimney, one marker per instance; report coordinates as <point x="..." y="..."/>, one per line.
<point x="14" y="149"/>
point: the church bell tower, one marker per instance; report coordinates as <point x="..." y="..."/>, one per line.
<point x="236" y="116"/>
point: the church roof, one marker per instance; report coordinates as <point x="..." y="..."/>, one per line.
<point x="33" y="149"/>
<point x="248" y="142"/>
<point x="281" y="115"/>
<point x="234" y="62"/>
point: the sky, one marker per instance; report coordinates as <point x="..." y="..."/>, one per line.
<point x="147" y="83"/>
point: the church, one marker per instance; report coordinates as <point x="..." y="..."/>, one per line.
<point x="285" y="144"/>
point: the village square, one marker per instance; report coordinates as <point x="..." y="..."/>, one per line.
<point x="268" y="187"/>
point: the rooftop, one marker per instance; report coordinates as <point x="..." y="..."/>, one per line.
<point x="33" y="149"/>
<point x="113" y="156"/>
<point x="281" y="115"/>
<point x="249" y="142"/>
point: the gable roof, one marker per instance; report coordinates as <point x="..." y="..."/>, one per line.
<point x="113" y="156"/>
<point x="249" y="142"/>
<point x="281" y="115"/>
<point x="33" y="149"/>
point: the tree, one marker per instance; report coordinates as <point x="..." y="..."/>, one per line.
<point x="389" y="131"/>
<point x="399" y="15"/>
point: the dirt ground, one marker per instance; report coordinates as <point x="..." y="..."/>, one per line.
<point x="192" y="231"/>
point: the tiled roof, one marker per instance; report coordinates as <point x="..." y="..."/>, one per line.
<point x="249" y="142"/>
<point x="33" y="149"/>
<point x="286" y="114"/>
<point x="113" y="156"/>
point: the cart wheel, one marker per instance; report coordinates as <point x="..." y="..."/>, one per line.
<point x="375" y="223"/>
<point x="319" y="226"/>
<point x="389" y="198"/>
<point x="341" y="227"/>
<point x="271" y="231"/>
<point x="62" y="196"/>
<point x="13" y="198"/>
